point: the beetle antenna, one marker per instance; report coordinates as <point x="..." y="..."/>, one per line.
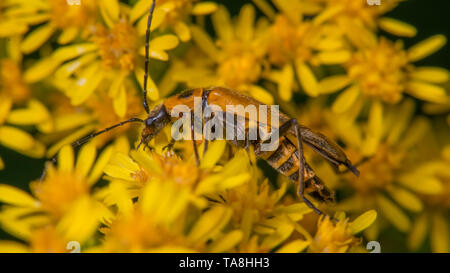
<point x="147" y="59"/>
<point x="85" y="139"/>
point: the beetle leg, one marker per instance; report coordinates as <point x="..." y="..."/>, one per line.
<point x="327" y="149"/>
<point x="205" y="94"/>
<point x="301" y="178"/>
<point x="197" y="159"/>
<point x="169" y="146"/>
<point x="361" y="161"/>
<point x="284" y="128"/>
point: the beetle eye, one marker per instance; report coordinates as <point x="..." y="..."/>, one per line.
<point x="149" y="121"/>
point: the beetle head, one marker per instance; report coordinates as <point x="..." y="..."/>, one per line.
<point x="157" y="119"/>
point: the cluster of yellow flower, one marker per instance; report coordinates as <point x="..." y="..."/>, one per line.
<point x="68" y="68"/>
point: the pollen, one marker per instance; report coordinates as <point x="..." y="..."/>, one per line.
<point x="381" y="71"/>
<point x="63" y="15"/>
<point x="237" y="71"/>
<point x="11" y="82"/>
<point x="117" y="46"/>
<point x="59" y="190"/>
<point x="379" y="171"/>
<point x="332" y="237"/>
<point x="290" y="41"/>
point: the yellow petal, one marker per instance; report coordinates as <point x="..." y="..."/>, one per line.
<point x="406" y="199"/>
<point x="204" y="42"/>
<point x="81" y="221"/>
<point x="152" y="89"/>
<point x="69" y="52"/>
<point x="213" y="154"/>
<point x="427" y="185"/>
<point x="85" y="159"/>
<point x="100" y="164"/>
<point x="333" y="57"/>
<point x="40" y="70"/>
<point x="265" y="7"/>
<point x="307" y="78"/>
<point x="393" y="213"/>
<point x="375" y="128"/>
<point x="13" y="247"/>
<point x="5" y="107"/>
<point x="204" y="8"/>
<point x="418" y="232"/>
<point x="209" y="224"/>
<point x="397" y="27"/>
<point x="164" y="42"/>
<point x="285" y="81"/>
<point x="112" y="8"/>
<point x="34" y="114"/>
<point x="245" y="23"/>
<point x="141" y="7"/>
<point x="332" y="84"/>
<point x="182" y="31"/>
<point x="158" y="17"/>
<point x="37" y="38"/>
<point x="426" y="91"/>
<point x="327" y="14"/>
<point x="15" y="139"/>
<point x="426" y="47"/>
<point x="295" y="246"/>
<point x="282" y="232"/>
<point x="346" y="99"/>
<point x="440" y="239"/>
<point x="120" y="103"/>
<point x="70" y="139"/>
<point x="401" y="119"/>
<point x="65" y="159"/>
<point x="12" y="28"/>
<point x="261" y="94"/>
<point x="15" y="196"/>
<point x="222" y="24"/>
<point x="68" y="68"/>
<point x="363" y="221"/>
<point x="68" y="35"/>
<point x="227" y="242"/>
<point x="430" y="74"/>
<point x="86" y="84"/>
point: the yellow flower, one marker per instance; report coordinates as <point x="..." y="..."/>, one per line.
<point x="171" y="14"/>
<point x="54" y="16"/>
<point x="42" y="240"/>
<point x="15" y="92"/>
<point x="297" y="43"/>
<point x="340" y="237"/>
<point x="394" y="174"/>
<point x="162" y="221"/>
<point x="385" y="71"/>
<point x="62" y="200"/>
<point x="130" y="174"/>
<point x="235" y="59"/>
<point x="69" y="123"/>
<point x="359" y="12"/>
<point x="112" y="56"/>
<point x="433" y="221"/>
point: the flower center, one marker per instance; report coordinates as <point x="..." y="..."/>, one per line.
<point x="381" y="71"/>
<point x="332" y="238"/>
<point x="11" y="82"/>
<point x="290" y="41"/>
<point x="59" y="190"/>
<point x="118" y="46"/>
<point x="64" y="15"/>
<point x="378" y="172"/>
